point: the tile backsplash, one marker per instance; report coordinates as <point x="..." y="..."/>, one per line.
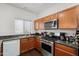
<point x="68" y="32"/>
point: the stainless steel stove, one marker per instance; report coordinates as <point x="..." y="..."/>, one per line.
<point x="47" y="47"/>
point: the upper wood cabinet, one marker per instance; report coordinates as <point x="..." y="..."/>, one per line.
<point x="68" y="18"/>
<point x="39" y="24"/>
<point x="78" y="17"/>
<point x="54" y="16"/>
<point x="46" y="19"/>
<point x="36" y="25"/>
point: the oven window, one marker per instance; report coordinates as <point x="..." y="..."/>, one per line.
<point x="46" y="47"/>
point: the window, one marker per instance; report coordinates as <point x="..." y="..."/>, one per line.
<point x="19" y="26"/>
<point x="27" y="27"/>
<point x="23" y="27"/>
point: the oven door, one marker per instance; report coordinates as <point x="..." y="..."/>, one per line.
<point x="46" y="49"/>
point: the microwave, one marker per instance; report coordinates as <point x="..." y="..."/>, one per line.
<point x="51" y="24"/>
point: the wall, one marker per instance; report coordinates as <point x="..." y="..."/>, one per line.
<point x="54" y="9"/>
<point x="7" y="16"/>
<point x="68" y="32"/>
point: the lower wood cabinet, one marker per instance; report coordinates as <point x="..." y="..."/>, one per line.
<point x="24" y="45"/>
<point x="31" y="43"/>
<point x="62" y="50"/>
<point x="27" y="44"/>
<point x="37" y="43"/>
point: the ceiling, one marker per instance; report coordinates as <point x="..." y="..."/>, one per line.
<point x="33" y="7"/>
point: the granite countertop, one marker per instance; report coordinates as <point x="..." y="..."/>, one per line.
<point x="57" y="41"/>
<point x="68" y="44"/>
<point x="9" y="38"/>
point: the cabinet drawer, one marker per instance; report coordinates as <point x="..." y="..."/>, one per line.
<point x="24" y="40"/>
<point x="66" y="48"/>
<point x="60" y="52"/>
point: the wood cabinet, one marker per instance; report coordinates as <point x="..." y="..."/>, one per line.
<point x="37" y="43"/>
<point x="24" y="45"/>
<point x="46" y="19"/>
<point x="77" y="17"/>
<point x="36" y="25"/>
<point x="52" y="17"/>
<point x="68" y="18"/>
<point x="39" y="24"/>
<point x="62" y="50"/>
<point x="29" y="43"/>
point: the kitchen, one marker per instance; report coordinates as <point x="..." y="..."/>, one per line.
<point x="39" y="29"/>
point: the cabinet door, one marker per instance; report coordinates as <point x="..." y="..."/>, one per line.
<point x="62" y="50"/>
<point x="37" y="43"/>
<point x="47" y="18"/>
<point x="36" y="25"/>
<point x="39" y="24"/>
<point x="31" y="43"/>
<point x="24" y="45"/>
<point x="68" y="18"/>
<point x="52" y="17"/>
<point x="78" y="22"/>
<point x="78" y="17"/>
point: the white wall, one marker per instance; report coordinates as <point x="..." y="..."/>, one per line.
<point x="54" y="9"/>
<point x="8" y="15"/>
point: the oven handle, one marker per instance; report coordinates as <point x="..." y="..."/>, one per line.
<point x="47" y="43"/>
